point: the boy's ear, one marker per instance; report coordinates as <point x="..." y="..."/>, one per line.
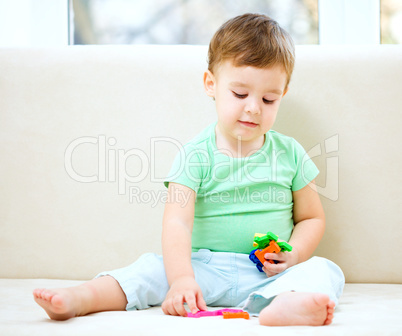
<point x="209" y="83"/>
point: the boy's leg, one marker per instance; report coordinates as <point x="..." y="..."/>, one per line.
<point x="306" y="294"/>
<point x="97" y="295"/>
<point x="136" y="286"/>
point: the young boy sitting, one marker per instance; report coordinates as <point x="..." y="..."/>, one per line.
<point x="239" y="177"/>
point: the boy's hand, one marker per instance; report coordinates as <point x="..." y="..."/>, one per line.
<point x="284" y="259"/>
<point x="183" y="290"/>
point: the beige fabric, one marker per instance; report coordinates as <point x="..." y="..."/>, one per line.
<point x="364" y="309"/>
<point x="345" y="101"/>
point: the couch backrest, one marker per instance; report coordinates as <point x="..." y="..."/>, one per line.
<point x="88" y="133"/>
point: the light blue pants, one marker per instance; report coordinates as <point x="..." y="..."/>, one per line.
<point x="227" y="280"/>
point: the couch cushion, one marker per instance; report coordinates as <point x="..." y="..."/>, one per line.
<point x="364" y="309"/>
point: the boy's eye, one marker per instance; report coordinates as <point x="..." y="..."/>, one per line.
<point x="242" y="96"/>
<point x="237" y="95"/>
<point x="266" y="101"/>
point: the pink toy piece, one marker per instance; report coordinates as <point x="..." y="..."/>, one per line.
<point x="204" y="313"/>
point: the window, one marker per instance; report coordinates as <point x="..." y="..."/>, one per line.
<point x="182" y="21"/>
<point x="391" y="21"/>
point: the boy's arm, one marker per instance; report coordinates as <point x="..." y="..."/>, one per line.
<point x="309" y="221"/>
<point x="176" y="244"/>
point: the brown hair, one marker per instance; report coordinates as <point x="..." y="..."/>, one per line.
<point x="252" y="40"/>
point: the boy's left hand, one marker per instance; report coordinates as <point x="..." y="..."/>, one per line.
<point x="284" y="259"/>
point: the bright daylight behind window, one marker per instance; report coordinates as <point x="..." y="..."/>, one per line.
<point x="182" y="21"/>
<point x="391" y="21"/>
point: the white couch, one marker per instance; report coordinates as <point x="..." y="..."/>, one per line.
<point x="87" y="134"/>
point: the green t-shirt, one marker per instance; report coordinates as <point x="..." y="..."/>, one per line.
<point x="238" y="197"/>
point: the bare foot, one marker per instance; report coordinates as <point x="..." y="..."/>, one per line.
<point x="298" y="308"/>
<point x="58" y="303"/>
<point x="97" y="295"/>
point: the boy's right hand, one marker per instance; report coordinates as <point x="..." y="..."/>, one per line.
<point x="184" y="289"/>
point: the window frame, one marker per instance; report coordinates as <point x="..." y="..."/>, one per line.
<point x="23" y="23"/>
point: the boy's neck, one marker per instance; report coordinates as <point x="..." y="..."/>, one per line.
<point x="236" y="147"/>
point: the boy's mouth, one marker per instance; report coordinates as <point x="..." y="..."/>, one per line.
<point x="248" y="124"/>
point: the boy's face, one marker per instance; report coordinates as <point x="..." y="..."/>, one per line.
<point x="247" y="99"/>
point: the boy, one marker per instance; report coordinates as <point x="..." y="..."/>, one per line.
<point x="239" y="178"/>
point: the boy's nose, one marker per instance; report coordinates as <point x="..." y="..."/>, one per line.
<point x="253" y="107"/>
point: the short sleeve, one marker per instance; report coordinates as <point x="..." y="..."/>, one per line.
<point x="306" y="170"/>
<point x="188" y="167"/>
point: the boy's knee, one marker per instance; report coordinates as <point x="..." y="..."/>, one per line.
<point x="335" y="274"/>
<point x="330" y="264"/>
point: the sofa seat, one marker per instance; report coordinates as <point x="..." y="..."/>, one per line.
<point x="363" y="310"/>
<point x="88" y="133"/>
